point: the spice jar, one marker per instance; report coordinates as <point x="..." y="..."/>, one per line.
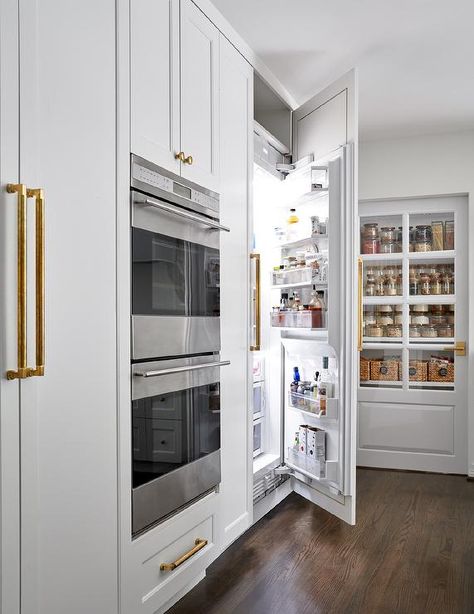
<point x="415" y="331"/>
<point x="437" y="320"/>
<point x="384" y="309"/>
<point x="398" y="319"/>
<point x="388" y="240"/>
<point x="425" y="284"/>
<point x="369" y="318"/>
<point x="370" y="286"/>
<point x="429" y="331"/>
<point x="414" y="283"/>
<point x="390" y="286"/>
<point x="395" y="330"/>
<point x="423" y="238"/>
<point x="384" y="320"/>
<point x="370" y="241"/>
<point x="446" y="330"/>
<point x="449" y="234"/>
<point x="380" y="286"/>
<point x="399" y="285"/>
<point x="420" y="319"/>
<point x="420" y="308"/>
<point x="435" y="284"/>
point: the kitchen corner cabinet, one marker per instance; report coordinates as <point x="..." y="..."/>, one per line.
<point x="175" y="88"/>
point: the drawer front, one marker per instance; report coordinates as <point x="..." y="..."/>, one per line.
<point x="160" y="585"/>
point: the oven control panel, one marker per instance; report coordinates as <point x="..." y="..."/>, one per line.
<point x="162" y="182"/>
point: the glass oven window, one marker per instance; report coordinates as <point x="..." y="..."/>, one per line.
<point x="173" y="429"/>
<point x="172" y="277"/>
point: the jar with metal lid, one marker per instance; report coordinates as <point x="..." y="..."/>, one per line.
<point x="380" y="286"/>
<point x="446" y="330"/>
<point x="398" y="319"/>
<point x="438" y="309"/>
<point x="423" y="238"/>
<point x="384" y="320"/>
<point x="370" y="240"/>
<point x="390" y="286"/>
<point x="388" y="240"/>
<point x="425" y="284"/>
<point x="394" y="330"/>
<point x="370" y="286"/>
<point x="435" y="284"/>
<point x="420" y="308"/>
<point x="414" y="283"/>
<point x="370" y="231"/>
<point x="399" y="285"/>
<point x="415" y="331"/>
<point x="429" y="331"/>
<point x="374" y="331"/>
<point x="384" y="309"/>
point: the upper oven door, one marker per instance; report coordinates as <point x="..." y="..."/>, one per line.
<point x="175" y="275"/>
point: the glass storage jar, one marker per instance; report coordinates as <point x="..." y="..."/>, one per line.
<point x="375" y="330"/>
<point x="423" y="238"/>
<point x="429" y="331"/>
<point x="425" y="284"/>
<point x="370" y="286"/>
<point x="388" y="240"/>
<point x="370" y="240"/>
<point x="394" y="330"/>
<point x="390" y="286"/>
<point x="384" y="320"/>
<point x="435" y="284"/>
<point x="449" y="234"/>
<point x="446" y="330"/>
<point x="420" y="319"/>
<point x="415" y="331"/>
<point x="414" y="283"/>
<point x="437" y="320"/>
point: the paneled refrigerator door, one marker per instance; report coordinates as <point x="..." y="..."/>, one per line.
<point x="318" y="444"/>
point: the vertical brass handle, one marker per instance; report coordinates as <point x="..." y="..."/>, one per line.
<point x="23" y="193"/>
<point x="257" y="301"/>
<point x="188" y="160"/>
<point x="360" y="265"/>
<point x="180" y="156"/>
<point x="38" y="195"/>
<point x="22" y="370"/>
<point x="198" y="545"/>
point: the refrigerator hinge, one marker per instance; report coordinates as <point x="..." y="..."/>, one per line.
<point x="283" y="470"/>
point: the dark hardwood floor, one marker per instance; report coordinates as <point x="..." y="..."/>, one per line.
<point x="411" y="552"/>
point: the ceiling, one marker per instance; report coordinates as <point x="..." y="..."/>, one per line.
<point x="415" y="57"/>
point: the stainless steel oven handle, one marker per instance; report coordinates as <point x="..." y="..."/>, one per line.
<point x="206" y="365"/>
<point x="181" y="213"/>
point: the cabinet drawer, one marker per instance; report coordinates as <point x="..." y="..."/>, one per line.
<point x="157" y="583"/>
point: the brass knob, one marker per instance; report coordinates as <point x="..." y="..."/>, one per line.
<point x="180" y="156"/>
<point x="188" y="160"/>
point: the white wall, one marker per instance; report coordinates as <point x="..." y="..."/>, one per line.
<point x="426" y="165"/>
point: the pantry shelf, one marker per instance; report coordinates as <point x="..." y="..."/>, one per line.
<point x="381" y="383"/>
<point x="398" y="256"/>
<point x="382" y="300"/>
<point x="441" y="256"/>
<point x="432" y="299"/>
<point x="383" y="341"/>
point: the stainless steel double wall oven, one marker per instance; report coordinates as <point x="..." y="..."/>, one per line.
<point x="175" y="269"/>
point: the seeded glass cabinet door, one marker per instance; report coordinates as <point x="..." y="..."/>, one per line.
<point x="58" y="430"/>
<point x="414" y="325"/>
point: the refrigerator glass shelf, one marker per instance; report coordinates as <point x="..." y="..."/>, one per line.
<point x="300" y="242"/>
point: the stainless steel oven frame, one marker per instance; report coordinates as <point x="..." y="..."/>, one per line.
<point x="166" y="204"/>
<point x="153" y="501"/>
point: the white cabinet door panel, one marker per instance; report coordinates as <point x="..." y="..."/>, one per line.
<point x="154" y="59"/>
<point x="199" y="96"/>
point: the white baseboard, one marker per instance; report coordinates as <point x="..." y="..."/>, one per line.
<point x="236" y="528"/>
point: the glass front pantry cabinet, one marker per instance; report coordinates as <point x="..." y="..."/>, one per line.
<point x="412" y="330"/>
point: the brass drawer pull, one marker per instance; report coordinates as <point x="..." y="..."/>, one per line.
<point x="180" y="156"/>
<point x="188" y="160"/>
<point x="199" y="545"/>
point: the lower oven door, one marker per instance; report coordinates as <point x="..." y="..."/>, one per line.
<point x="175" y="435"/>
<point x="175" y="280"/>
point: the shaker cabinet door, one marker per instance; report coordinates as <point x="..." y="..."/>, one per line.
<point x="154" y="67"/>
<point x="199" y="97"/>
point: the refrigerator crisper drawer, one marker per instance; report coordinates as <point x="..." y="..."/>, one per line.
<point x="309" y="318"/>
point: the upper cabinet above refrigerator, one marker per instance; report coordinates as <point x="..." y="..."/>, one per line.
<point x="174" y="61"/>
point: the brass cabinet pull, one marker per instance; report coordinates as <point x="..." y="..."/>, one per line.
<point x="459" y="348"/>
<point x="23" y="193"/>
<point x="180" y="156"/>
<point x="199" y="544"/>
<point x="38" y="195"/>
<point x="188" y="160"/>
<point x="360" y="265"/>
<point x="257" y="301"/>
<point x="22" y="370"/>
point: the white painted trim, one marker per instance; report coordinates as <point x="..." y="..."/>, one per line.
<point x="244" y="49"/>
<point x="235" y="529"/>
<point x="342" y="510"/>
<point x="180" y="594"/>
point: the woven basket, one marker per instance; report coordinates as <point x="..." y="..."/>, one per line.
<point x="418" y="371"/>
<point x="440" y="371"/>
<point x="364" y="369"/>
<point x="384" y="370"/>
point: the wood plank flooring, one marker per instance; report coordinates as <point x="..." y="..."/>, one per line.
<point x="411" y="552"/>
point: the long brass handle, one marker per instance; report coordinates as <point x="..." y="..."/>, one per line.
<point x="180" y="156"/>
<point x="38" y="195"/>
<point x="360" y="265"/>
<point x="22" y="370"/>
<point x="199" y="545"/>
<point x="257" y="300"/>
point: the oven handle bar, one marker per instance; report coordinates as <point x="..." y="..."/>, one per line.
<point x="206" y="365"/>
<point x="192" y="217"/>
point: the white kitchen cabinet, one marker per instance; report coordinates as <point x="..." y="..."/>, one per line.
<point x="58" y="431"/>
<point x="199" y="96"/>
<point x="174" y="84"/>
<point x="154" y="81"/>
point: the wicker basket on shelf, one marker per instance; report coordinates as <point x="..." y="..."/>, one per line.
<point x="384" y="370"/>
<point x="418" y="371"/>
<point x="364" y="369"/>
<point x="440" y="371"/>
